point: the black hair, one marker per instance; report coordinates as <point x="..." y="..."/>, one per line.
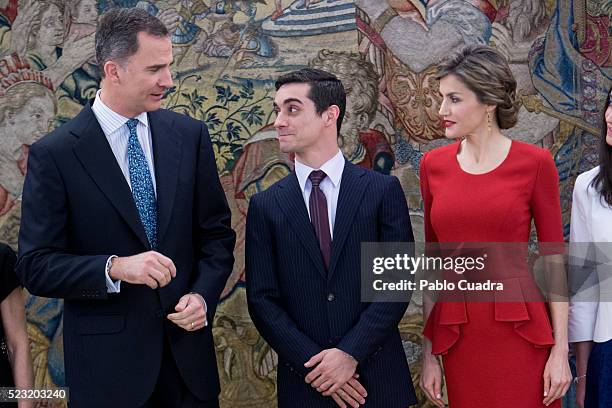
<point x="325" y="89"/>
<point x="603" y="181"/>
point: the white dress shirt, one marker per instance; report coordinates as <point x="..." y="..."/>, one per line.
<point x="590" y="315"/>
<point x="117" y="134"/>
<point x="330" y="185"/>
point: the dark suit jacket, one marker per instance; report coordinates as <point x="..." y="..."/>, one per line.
<point x="301" y="310"/>
<point x="78" y="210"/>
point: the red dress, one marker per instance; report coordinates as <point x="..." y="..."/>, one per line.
<point x="494" y="354"/>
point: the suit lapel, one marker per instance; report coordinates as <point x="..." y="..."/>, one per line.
<point x="352" y="188"/>
<point x="291" y="201"/>
<point x="94" y="153"/>
<point x="167" y="159"/>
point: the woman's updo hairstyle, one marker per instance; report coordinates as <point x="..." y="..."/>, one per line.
<point x="486" y="73"/>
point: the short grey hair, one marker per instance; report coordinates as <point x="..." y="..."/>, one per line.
<point x="117" y="33"/>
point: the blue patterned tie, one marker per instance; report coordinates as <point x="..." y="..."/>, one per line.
<point x="142" y="185"/>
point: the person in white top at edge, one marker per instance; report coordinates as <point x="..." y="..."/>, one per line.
<point x="590" y="317"/>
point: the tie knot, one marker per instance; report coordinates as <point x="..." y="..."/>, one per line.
<point x="316" y="177"/>
<point x="131" y="124"/>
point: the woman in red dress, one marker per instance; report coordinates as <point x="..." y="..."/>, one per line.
<point x="486" y="188"/>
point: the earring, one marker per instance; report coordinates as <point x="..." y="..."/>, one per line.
<point x="489" y="123"/>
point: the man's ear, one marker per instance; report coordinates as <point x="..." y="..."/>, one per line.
<point x="331" y="115"/>
<point x="111" y="69"/>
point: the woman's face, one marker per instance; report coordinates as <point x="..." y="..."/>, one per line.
<point x="461" y="112"/>
<point x="51" y="26"/>
<point x="609" y="121"/>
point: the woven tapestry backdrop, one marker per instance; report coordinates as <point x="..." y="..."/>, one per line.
<point x="227" y="56"/>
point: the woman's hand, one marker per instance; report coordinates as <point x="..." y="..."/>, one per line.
<point x="557" y="375"/>
<point x="431" y="379"/>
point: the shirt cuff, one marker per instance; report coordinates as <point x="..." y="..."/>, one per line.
<point x="111" y="287"/>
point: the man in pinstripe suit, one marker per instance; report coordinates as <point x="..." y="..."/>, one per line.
<point x="302" y="260"/>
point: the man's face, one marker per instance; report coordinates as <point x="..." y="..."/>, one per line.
<point x="146" y="75"/>
<point x="298" y="124"/>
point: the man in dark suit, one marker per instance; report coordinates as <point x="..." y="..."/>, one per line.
<point x="124" y="218"/>
<point x="303" y="260"/>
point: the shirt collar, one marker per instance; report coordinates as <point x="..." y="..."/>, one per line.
<point x="333" y="168"/>
<point x="110" y="121"/>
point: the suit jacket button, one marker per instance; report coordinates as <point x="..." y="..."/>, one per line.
<point x="330" y="297"/>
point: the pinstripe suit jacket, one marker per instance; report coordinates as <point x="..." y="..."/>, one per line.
<point x="300" y="309"/>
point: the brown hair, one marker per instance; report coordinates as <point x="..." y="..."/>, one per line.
<point x="603" y="181"/>
<point x="486" y="73"/>
<point x="325" y="90"/>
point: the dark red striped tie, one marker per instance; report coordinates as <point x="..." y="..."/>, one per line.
<point x="318" y="215"/>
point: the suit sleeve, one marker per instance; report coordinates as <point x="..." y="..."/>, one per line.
<point x="45" y="266"/>
<point x="264" y="301"/>
<point x="380" y="319"/>
<point x="214" y="234"/>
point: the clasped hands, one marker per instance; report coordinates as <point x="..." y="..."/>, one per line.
<point x="156" y="271"/>
<point x="334" y="375"/>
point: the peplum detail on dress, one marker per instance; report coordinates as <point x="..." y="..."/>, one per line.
<point x="529" y="316"/>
